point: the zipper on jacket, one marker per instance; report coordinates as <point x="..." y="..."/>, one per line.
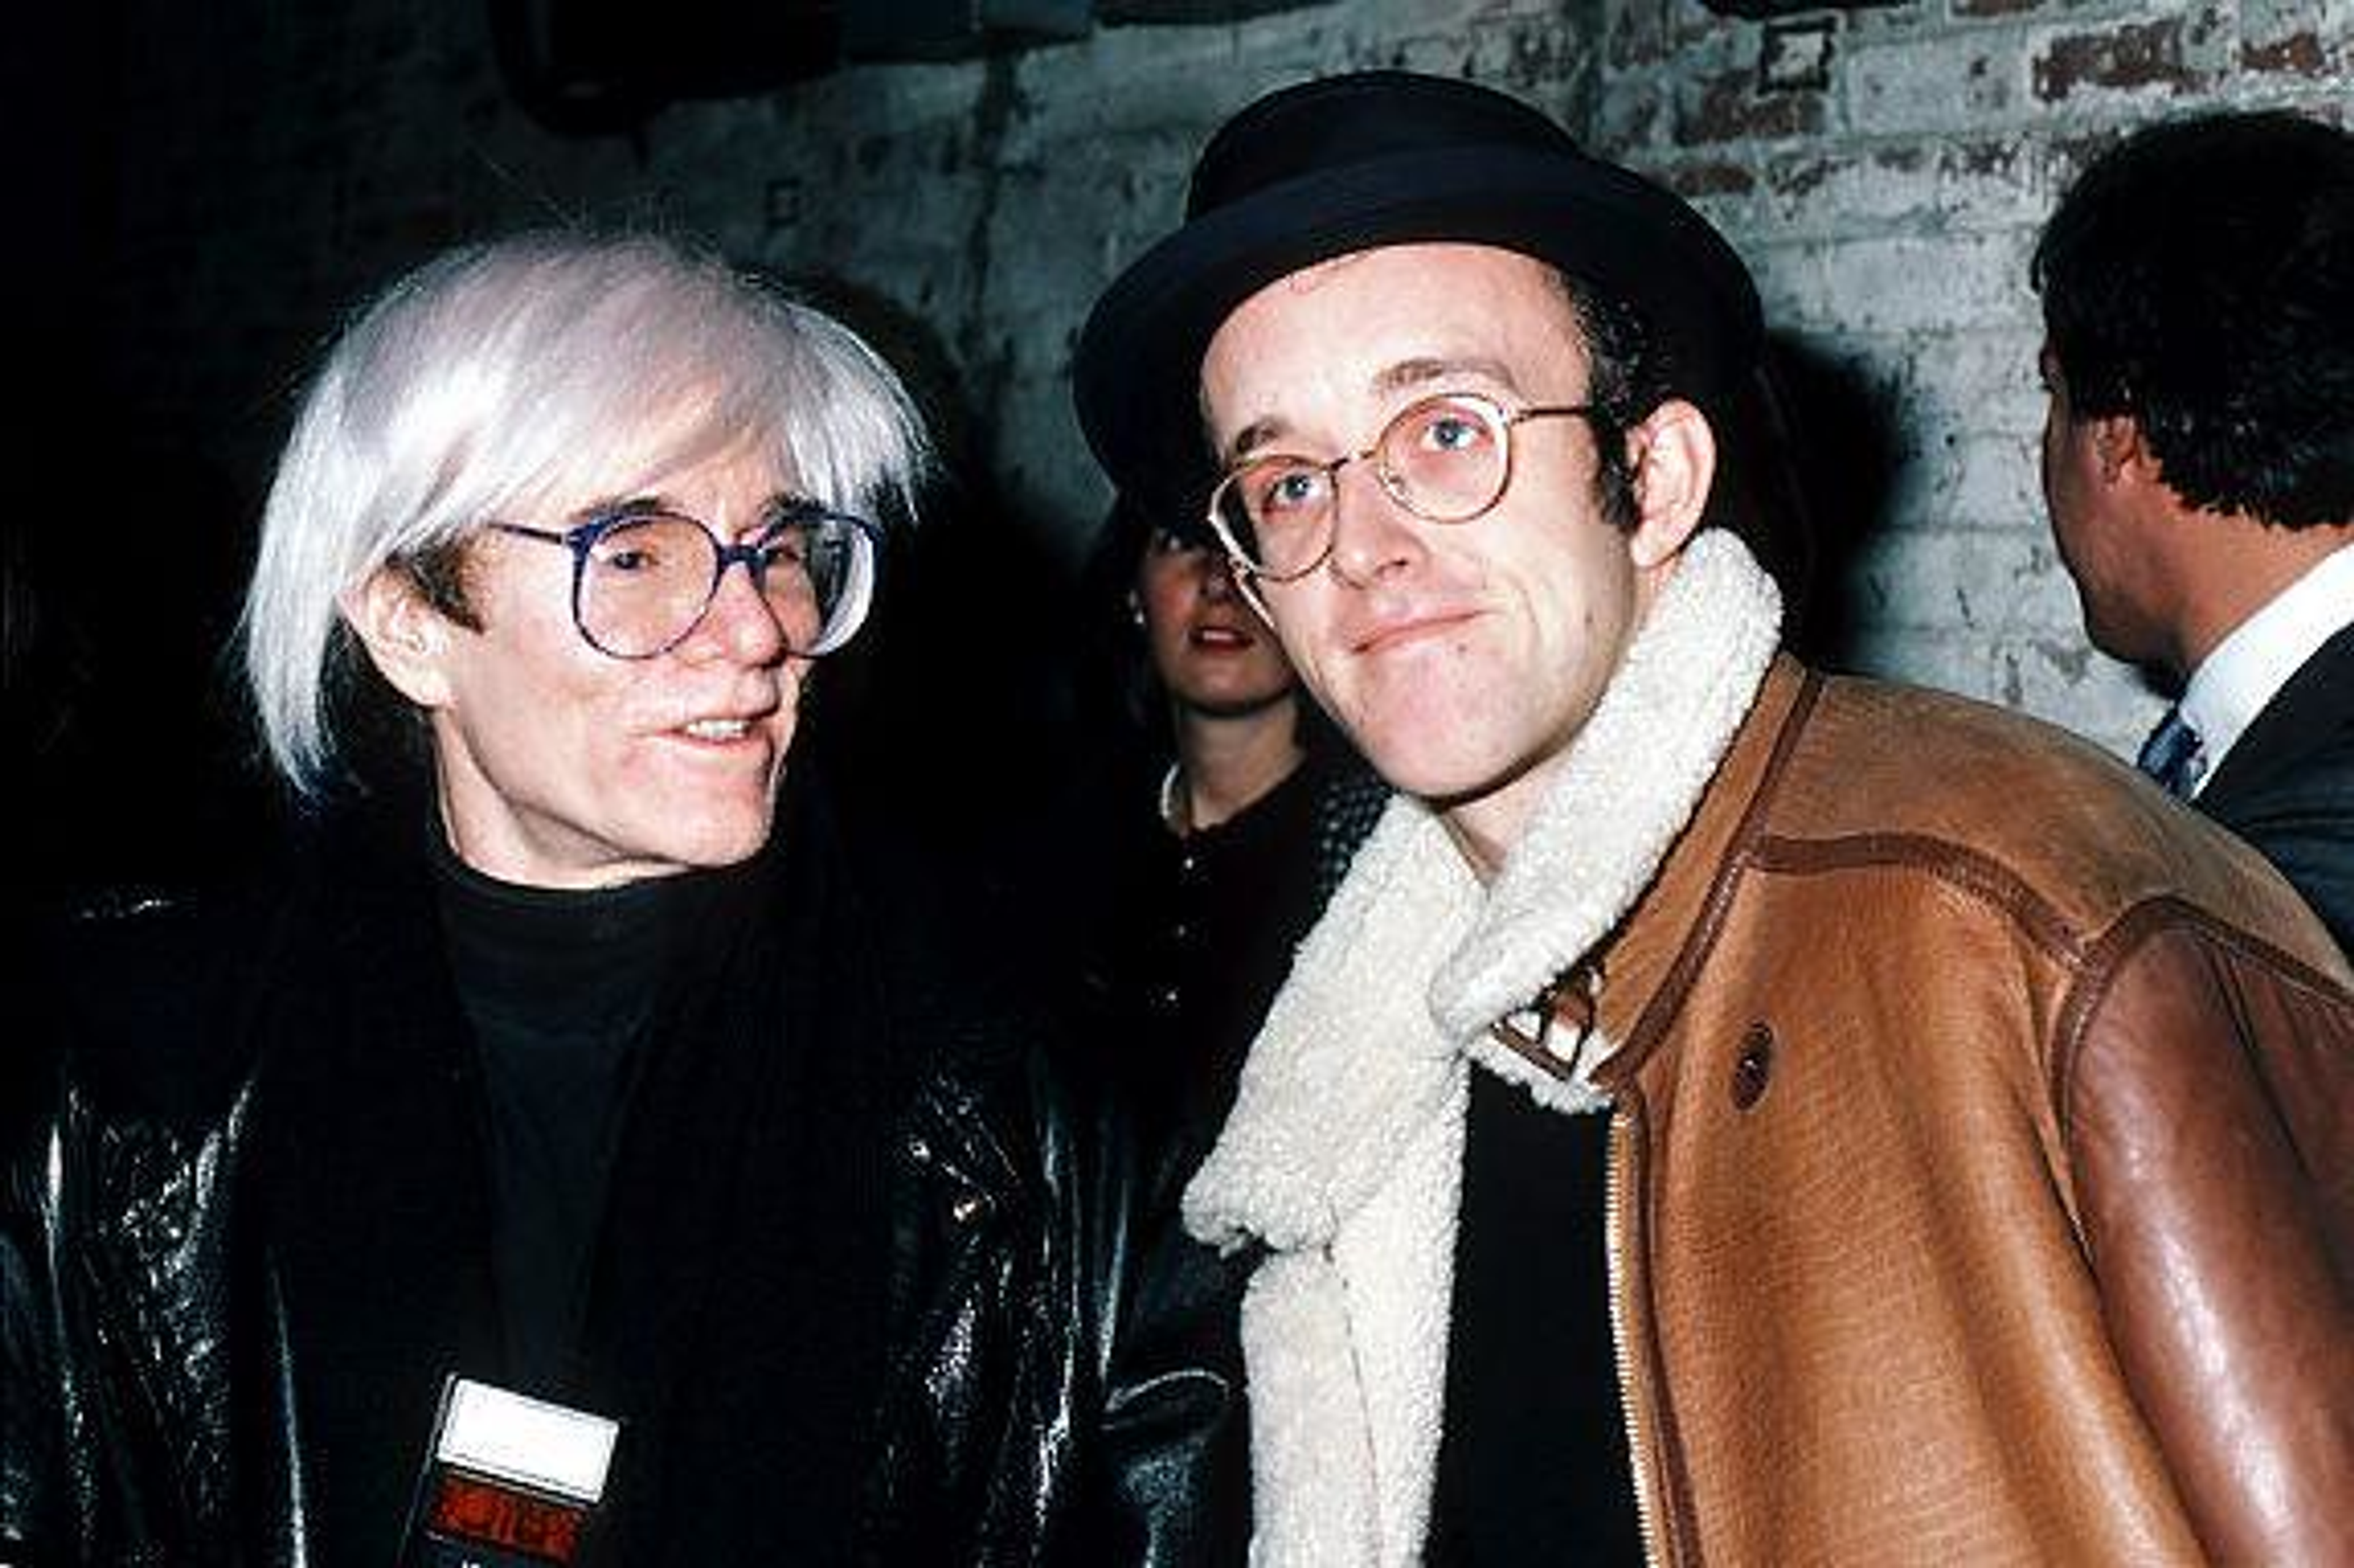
<point x="1617" y="1247"/>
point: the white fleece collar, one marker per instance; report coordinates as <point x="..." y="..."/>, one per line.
<point x="1414" y="959"/>
<point x="1344" y="1151"/>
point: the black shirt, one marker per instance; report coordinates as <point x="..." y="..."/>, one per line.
<point x="560" y="986"/>
<point x="1202" y="929"/>
<point x="1533" y="1467"/>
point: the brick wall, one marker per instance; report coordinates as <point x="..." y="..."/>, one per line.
<point x="1884" y="170"/>
<point x="1881" y="168"/>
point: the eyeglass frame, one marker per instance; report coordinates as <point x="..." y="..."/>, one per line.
<point x="1504" y="421"/>
<point x="584" y="536"/>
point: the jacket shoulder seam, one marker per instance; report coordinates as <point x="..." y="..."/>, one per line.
<point x="2128" y="934"/>
<point x="1984" y="878"/>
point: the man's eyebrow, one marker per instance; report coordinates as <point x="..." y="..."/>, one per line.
<point x="1251" y="437"/>
<point x="1409" y="374"/>
<point x="1406" y="375"/>
<point x="618" y="503"/>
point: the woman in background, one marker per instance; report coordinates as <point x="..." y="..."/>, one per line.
<point x="1228" y="815"/>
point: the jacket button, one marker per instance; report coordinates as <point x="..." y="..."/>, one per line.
<point x="1754" y="1067"/>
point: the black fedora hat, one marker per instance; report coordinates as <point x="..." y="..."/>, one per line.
<point x="1349" y="162"/>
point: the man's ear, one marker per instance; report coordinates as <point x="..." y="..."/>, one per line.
<point x="405" y="636"/>
<point x="1673" y="456"/>
<point x="2117" y="442"/>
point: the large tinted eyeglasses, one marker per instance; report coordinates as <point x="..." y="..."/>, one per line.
<point x="1446" y="459"/>
<point x="644" y="578"/>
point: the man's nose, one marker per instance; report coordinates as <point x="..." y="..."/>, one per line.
<point x="1372" y="530"/>
<point x="742" y="623"/>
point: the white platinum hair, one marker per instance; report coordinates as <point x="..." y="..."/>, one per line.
<point x="504" y="378"/>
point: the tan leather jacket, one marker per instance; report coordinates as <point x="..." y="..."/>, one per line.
<point x="2122" y="1331"/>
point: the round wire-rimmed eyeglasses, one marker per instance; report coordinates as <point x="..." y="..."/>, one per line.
<point x="644" y="577"/>
<point x="1445" y="459"/>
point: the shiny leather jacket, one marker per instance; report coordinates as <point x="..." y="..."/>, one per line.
<point x="1058" y="1383"/>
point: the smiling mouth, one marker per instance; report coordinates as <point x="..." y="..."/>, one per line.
<point x="1401" y="633"/>
<point x="1220" y="636"/>
<point x="717" y="729"/>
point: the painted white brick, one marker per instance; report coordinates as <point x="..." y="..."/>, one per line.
<point x="2062" y="680"/>
<point x="1831" y="188"/>
<point x="1959" y="81"/>
<point x="2003" y="583"/>
<point x="1995" y="483"/>
<point x="1902" y="283"/>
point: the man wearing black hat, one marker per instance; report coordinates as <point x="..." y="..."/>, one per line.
<point x="1727" y="1114"/>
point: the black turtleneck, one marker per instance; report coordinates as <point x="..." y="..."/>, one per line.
<point x="561" y="986"/>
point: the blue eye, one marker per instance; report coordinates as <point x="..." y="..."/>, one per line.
<point x="1452" y="433"/>
<point x="1291" y="490"/>
<point x="1443" y="427"/>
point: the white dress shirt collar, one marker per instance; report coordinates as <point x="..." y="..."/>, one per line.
<point x="2235" y="682"/>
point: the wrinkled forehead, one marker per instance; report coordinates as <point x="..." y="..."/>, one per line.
<point x="1384" y="324"/>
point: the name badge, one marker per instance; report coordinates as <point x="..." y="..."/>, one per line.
<point x="511" y="1482"/>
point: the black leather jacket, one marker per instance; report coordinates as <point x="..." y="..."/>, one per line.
<point x="1057" y="1382"/>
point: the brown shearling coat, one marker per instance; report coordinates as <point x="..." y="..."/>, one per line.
<point x="1981" y="1181"/>
<point x="2042" y="1252"/>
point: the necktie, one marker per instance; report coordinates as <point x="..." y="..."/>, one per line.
<point x="2170" y="755"/>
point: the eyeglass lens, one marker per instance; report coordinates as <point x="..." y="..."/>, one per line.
<point x="646" y="581"/>
<point x="1443" y="459"/>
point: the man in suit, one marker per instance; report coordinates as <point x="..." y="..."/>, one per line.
<point x="2197" y="286"/>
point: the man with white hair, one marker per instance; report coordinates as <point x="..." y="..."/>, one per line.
<point x="542" y="1164"/>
